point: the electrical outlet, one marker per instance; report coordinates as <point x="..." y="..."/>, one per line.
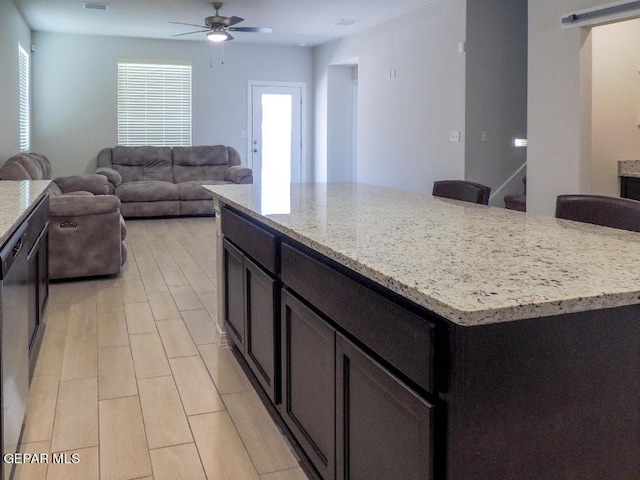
<point x="485" y="136"/>
<point x="454" y="136"/>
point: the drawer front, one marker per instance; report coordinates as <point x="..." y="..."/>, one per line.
<point x="252" y="240"/>
<point x="398" y="336"/>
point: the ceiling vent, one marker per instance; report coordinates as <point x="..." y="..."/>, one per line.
<point x="101" y="7"/>
<point x="345" y="22"/>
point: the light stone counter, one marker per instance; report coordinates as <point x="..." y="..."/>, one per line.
<point x="17" y="199"/>
<point x="629" y="168"/>
<point x="469" y="263"/>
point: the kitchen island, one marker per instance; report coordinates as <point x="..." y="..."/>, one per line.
<point x="406" y="336"/>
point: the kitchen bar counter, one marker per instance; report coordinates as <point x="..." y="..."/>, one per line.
<point x="471" y="264"/>
<point x="396" y="335"/>
<point x="17" y="199"/>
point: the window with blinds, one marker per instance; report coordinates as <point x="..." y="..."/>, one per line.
<point x="25" y="96"/>
<point x="154" y="104"/>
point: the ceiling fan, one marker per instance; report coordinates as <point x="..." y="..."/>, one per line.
<point x="218" y="27"/>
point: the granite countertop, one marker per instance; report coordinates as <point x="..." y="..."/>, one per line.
<point x="17" y="199"/>
<point x="629" y="168"/>
<point x="469" y="263"/>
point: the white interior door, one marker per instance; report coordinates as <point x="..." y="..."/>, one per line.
<point x="276" y="133"/>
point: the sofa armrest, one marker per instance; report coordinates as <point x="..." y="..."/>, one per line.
<point x="238" y="174"/>
<point x="82" y="205"/>
<point x="96" y="184"/>
<point x="113" y="176"/>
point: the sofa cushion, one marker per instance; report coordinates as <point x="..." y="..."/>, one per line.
<point x="194" y="191"/>
<point x="147" y="191"/>
<point x="136" y="164"/>
<point x="26" y="166"/>
<point x="200" y="163"/>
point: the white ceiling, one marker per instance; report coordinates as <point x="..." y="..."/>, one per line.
<point x="294" y="22"/>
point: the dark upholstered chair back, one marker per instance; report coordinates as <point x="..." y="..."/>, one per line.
<point x="612" y="212"/>
<point x="462" y="190"/>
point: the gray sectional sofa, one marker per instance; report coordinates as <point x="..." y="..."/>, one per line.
<point x="163" y="181"/>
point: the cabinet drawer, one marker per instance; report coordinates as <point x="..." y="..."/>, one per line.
<point x="400" y="337"/>
<point x="256" y="242"/>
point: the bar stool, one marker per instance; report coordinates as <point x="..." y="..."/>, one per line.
<point x="462" y="190"/>
<point x="602" y="210"/>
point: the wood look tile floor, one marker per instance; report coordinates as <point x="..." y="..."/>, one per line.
<point x="130" y="379"/>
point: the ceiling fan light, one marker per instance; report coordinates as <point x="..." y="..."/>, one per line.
<point x="217" y="36"/>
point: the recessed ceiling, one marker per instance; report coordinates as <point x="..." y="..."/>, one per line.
<point x="294" y="22"/>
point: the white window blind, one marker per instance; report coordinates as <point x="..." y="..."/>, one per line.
<point x="154" y="104"/>
<point x="25" y="108"/>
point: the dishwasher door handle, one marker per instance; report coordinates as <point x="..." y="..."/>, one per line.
<point x="17" y="247"/>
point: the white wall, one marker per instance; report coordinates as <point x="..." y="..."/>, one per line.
<point x="13" y="29"/>
<point x="496" y="95"/>
<point x="559" y="104"/>
<point x="616" y="102"/>
<point x="403" y="124"/>
<point x="75" y="95"/>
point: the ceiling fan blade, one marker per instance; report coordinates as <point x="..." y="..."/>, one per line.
<point x="190" y="24"/>
<point x="232" y="21"/>
<point x="189" y="33"/>
<point x="229" y="37"/>
<point x="251" y="29"/>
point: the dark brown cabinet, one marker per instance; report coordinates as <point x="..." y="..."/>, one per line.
<point x="630" y="187"/>
<point x="288" y="314"/>
<point x="251" y="305"/>
<point x="384" y="430"/>
<point x="234" y="293"/>
<point x="261" y="328"/>
<point x="38" y="276"/>
<point x="308" y="378"/>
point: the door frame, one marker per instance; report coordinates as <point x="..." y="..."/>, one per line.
<point x="303" y="119"/>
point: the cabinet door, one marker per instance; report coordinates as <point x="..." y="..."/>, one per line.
<point x="308" y="382"/>
<point x="383" y="429"/>
<point x="43" y="273"/>
<point x="234" y="293"/>
<point x="262" y="328"/>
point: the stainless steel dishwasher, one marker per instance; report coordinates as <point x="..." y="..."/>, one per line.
<point x="14" y="356"/>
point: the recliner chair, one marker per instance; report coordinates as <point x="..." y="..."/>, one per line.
<point x="86" y="229"/>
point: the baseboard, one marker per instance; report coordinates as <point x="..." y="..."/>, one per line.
<point x="222" y="337"/>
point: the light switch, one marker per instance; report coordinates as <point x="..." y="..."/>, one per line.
<point x="485" y="136"/>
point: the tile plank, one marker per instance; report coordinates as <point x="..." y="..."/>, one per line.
<point x="149" y="359"/>
<point x="122" y="456"/>
<point x="197" y="391"/>
<point x="164" y="418"/>
<point x="116" y="377"/>
<point x="176" y="339"/>
<point x="221" y="450"/>
<point x="265" y="443"/>
<point x="180" y="461"/>
<point x="76" y="419"/>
